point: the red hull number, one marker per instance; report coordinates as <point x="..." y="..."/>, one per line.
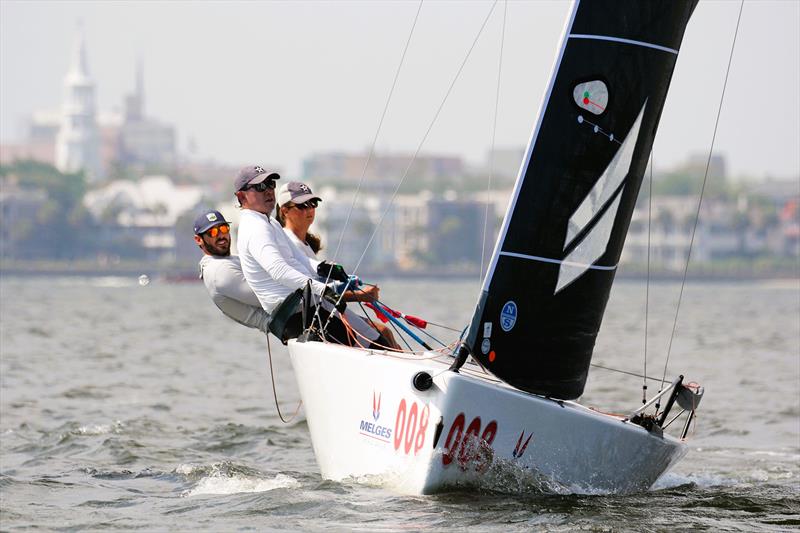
<point x="466" y="447"/>
<point x="410" y="427"/>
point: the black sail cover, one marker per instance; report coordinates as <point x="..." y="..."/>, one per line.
<point x="544" y="295"/>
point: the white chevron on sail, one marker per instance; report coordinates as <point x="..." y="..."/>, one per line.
<point x="595" y="243"/>
<point x="608" y="182"/>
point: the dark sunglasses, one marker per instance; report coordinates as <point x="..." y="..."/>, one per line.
<point x="261" y="187"/>
<point x="311" y="204"/>
<point x="216" y="230"/>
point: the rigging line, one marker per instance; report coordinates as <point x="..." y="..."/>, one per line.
<point x="442" y="326"/>
<point x="647" y="289"/>
<point x="372" y="147"/>
<point x="422" y="330"/>
<point x="645" y="376"/>
<point x="424" y="137"/>
<point x="378" y="131"/>
<point x="275" y="393"/>
<point x="494" y="137"/>
<point x="702" y="190"/>
<point x="397" y="331"/>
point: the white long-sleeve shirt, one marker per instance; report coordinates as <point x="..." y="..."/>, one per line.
<point x="228" y="289"/>
<point x="300" y="245"/>
<point x="272" y="265"/>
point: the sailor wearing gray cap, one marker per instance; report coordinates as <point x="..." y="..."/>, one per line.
<point x="273" y="267"/>
<point x="222" y="275"/>
<point x="253" y="175"/>
<point x="270" y="267"/>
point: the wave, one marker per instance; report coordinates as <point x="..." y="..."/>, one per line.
<point x="228" y="478"/>
<point x="672" y="480"/>
<point x="99" y="429"/>
<point x="236" y="484"/>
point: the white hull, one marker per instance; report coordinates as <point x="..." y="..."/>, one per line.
<point x="368" y="422"/>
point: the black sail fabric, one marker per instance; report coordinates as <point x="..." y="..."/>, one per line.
<point x="546" y="290"/>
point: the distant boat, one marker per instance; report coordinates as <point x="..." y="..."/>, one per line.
<point x="426" y="423"/>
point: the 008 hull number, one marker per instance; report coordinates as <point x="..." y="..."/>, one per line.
<point x="466" y="447"/>
<point x="410" y="427"/>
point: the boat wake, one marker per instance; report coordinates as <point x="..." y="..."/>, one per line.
<point x="228" y="478"/>
<point x="672" y="480"/>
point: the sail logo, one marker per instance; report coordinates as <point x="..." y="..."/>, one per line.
<point x="519" y="449"/>
<point x="508" y="316"/>
<point x="597" y="213"/>
<point x="372" y="429"/>
<point x="486" y="345"/>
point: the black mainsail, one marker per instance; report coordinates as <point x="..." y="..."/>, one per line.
<point x="544" y="295"/>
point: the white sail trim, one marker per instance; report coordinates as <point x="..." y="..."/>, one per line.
<point x="529" y="152"/>
<point x="557" y="261"/>
<point x="609" y="181"/>
<point x="624" y="41"/>
<point x="590" y="249"/>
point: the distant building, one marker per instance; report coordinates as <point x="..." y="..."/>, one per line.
<point x="110" y="143"/>
<point x="503" y="164"/>
<point x="725" y="230"/>
<point x="335" y="221"/>
<point x="144" y="141"/>
<point x="77" y="143"/>
<point x="344" y="168"/>
<point x="696" y="166"/>
<point x="146" y="211"/>
<point x="417" y="231"/>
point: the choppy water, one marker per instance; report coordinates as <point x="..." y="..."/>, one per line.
<point x="124" y="406"/>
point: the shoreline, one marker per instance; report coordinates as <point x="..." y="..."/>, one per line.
<point x="188" y="273"/>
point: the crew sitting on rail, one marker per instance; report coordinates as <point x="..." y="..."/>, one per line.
<point x="275" y="269"/>
<point x="297" y="206"/>
<point x="222" y="275"/>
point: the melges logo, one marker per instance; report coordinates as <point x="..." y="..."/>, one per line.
<point x="373" y="429"/>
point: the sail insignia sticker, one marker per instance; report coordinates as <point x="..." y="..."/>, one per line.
<point x="486" y="346"/>
<point x="591" y="96"/>
<point x="508" y="316"/>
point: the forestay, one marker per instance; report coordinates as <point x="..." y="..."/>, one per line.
<point x="544" y="295"/>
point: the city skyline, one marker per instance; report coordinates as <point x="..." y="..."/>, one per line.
<point x="332" y="85"/>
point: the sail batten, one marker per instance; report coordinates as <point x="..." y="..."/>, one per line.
<point x="626" y="41"/>
<point x="544" y="295"/>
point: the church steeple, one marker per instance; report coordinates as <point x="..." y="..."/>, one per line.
<point x="77" y="144"/>
<point x="134" y="103"/>
<point x="79" y="67"/>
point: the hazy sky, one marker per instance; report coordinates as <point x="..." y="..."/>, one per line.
<point x="271" y="82"/>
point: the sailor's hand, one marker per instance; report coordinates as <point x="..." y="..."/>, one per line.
<point x="369" y="293"/>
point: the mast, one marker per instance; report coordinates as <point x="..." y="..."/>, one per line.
<point x="543" y="298"/>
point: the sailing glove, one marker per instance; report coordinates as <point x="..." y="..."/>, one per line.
<point x="332" y="271"/>
<point x="352" y="283"/>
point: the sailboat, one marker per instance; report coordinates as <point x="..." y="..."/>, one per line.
<point x="505" y="400"/>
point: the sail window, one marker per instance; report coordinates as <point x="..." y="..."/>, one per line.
<point x="591" y="96"/>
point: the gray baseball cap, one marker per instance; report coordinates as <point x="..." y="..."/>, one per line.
<point x="252" y="175"/>
<point x="295" y="192"/>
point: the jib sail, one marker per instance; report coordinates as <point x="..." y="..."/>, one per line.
<point x="544" y="295"/>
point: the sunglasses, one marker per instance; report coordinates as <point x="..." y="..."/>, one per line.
<point x="261" y="187"/>
<point x="216" y="230"/>
<point x="311" y="204"/>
